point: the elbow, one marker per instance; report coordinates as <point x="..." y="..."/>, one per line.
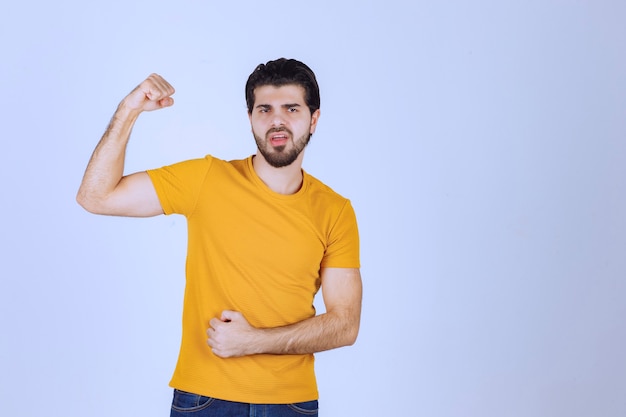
<point x="347" y="326"/>
<point x="351" y="336"/>
<point x="82" y="201"/>
<point x="89" y="204"/>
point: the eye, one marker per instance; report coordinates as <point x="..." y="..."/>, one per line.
<point x="292" y="109"/>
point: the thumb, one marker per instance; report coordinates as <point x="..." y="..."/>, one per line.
<point x="166" y="102"/>
<point x="229" y="315"/>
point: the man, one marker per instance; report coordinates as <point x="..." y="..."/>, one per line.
<point x="263" y="237"/>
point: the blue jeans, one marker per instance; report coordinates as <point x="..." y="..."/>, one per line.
<point x="186" y="404"/>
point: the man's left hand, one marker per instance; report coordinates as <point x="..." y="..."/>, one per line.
<point x="231" y="335"/>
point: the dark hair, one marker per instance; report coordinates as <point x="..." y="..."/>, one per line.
<point x="282" y="72"/>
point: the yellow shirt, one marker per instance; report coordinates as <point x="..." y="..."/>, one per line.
<point x="257" y="252"/>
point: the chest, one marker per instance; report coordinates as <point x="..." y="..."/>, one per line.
<point x="257" y="232"/>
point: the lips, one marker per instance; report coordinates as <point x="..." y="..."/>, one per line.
<point x="278" y="138"/>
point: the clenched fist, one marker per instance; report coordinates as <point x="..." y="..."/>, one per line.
<point x="231" y="335"/>
<point x="152" y="94"/>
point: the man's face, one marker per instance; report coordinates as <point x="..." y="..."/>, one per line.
<point x="281" y="123"/>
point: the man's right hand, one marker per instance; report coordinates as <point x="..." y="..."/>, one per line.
<point x="152" y="94"/>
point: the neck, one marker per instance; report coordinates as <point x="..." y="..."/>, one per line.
<point x="285" y="180"/>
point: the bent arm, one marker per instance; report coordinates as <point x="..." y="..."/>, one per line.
<point x="232" y="336"/>
<point x="337" y="327"/>
<point x="104" y="189"/>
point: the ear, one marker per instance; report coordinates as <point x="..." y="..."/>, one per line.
<point x="314" y="118"/>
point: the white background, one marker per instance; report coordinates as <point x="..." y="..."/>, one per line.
<point x="482" y="145"/>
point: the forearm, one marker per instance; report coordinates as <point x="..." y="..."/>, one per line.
<point x="323" y="332"/>
<point x="106" y="166"/>
<point x="231" y="335"/>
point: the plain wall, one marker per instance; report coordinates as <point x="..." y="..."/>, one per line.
<point x="481" y="143"/>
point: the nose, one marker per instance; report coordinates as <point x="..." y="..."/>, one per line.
<point x="277" y="121"/>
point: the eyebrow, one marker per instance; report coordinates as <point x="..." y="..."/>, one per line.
<point x="285" y="106"/>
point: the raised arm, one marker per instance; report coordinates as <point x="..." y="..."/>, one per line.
<point x="231" y="335"/>
<point x="105" y="189"/>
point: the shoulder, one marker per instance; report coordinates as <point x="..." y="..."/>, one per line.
<point x="319" y="190"/>
<point x="327" y="203"/>
<point x="206" y="163"/>
<point x="198" y="163"/>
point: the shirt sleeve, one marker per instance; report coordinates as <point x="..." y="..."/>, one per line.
<point x="178" y="186"/>
<point x="342" y="250"/>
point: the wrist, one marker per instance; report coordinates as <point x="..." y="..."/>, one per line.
<point x="126" y="111"/>
<point x="259" y="342"/>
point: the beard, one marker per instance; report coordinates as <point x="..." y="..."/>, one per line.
<point x="281" y="156"/>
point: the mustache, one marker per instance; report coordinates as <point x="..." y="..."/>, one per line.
<point x="279" y="129"/>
